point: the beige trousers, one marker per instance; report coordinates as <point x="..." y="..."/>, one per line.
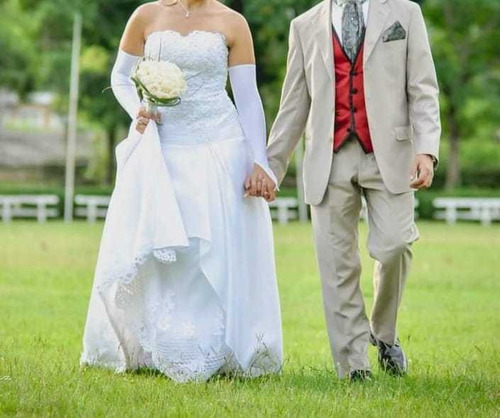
<point x="391" y="232"/>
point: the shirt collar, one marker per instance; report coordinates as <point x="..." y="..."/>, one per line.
<point x="342" y="3"/>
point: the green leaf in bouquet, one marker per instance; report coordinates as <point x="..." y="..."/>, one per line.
<point x="145" y="93"/>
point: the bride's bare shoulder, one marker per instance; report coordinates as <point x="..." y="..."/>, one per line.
<point x="142" y="19"/>
<point x="137" y="26"/>
<point x="146" y="14"/>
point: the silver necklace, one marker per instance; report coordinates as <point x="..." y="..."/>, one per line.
<point x="188" y="12"/>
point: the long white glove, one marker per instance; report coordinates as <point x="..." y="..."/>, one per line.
<point x="243" y="80"/>
<point x="122" y="85"/>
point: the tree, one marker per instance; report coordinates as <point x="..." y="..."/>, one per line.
<point x="17" y="50"/>
<point x="103" y="23"/>
<point x="466" y="44"/>
<point x="102" y="36"/>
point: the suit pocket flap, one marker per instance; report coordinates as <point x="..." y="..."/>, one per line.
<point x="403" y="133"/>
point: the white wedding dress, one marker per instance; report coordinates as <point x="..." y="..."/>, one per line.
<point x="185" y="282"/>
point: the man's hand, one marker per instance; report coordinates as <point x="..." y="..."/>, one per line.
<point x="422" y="172"/>
<point x="259" y="184"/>
<point x="143" y="118"/>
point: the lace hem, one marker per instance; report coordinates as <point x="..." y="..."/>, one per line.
<point x="125" y="276"/>
<point x="160" y="338"/>
<point x="263" y="363"/>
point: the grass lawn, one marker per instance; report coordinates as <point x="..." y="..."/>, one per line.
<point x="449" y="326"/>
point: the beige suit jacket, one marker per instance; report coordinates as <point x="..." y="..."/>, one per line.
<point x="401" y="93"/>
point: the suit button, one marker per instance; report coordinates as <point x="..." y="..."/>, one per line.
<point x="354" y="91"/>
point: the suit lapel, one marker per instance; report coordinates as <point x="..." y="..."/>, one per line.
<point x="377" y="18"/>
<point x="323" y="33"/>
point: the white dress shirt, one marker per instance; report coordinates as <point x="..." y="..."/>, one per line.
<point x="337" y="12"/>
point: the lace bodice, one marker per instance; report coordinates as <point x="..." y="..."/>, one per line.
<point x="203" y="56"/>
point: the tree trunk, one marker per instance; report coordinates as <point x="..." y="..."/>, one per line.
<point x="453" y="178"/>
<point x="110" y="172"/>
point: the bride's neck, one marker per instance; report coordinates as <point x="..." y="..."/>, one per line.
<point x="194" y="4"/>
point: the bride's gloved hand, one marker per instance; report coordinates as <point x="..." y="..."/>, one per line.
<point x="259" y="184"/>
<point x="142" y="119"/>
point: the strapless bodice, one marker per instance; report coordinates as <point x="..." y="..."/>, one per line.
<point x="203" y="56"/>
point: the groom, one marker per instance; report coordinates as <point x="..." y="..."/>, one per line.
<point x="361" y="83"/>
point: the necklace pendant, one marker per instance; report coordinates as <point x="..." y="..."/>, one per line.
<point x="188" y="15"/>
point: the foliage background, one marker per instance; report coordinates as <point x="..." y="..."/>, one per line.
<point x="35" y="40"/>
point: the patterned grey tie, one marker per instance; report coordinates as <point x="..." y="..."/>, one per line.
<point x="353" y="25"/>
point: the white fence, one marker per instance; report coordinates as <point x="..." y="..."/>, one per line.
<point x="283" y="209"/>
<point x="452" y="209"/>
<point x="91" y="207"/>
<point x="40" y="207"/>
<point x="95" y="207"/>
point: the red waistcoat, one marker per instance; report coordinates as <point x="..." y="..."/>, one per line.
<point x="350" y="108"/>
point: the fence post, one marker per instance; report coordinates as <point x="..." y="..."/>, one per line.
<point x="72" y="120"/>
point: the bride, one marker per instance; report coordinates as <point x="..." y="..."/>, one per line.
<point x="185" y="281"/>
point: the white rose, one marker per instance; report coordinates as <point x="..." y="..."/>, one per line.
<point x="163" y="79"/>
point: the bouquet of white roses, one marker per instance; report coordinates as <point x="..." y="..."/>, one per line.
<point x="160" y="83"/>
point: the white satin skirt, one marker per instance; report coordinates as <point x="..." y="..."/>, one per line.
<point x="215" y="307"/>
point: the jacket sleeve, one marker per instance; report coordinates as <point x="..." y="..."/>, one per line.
<point x="422" y="88"/>
<point x="291" y="120"/>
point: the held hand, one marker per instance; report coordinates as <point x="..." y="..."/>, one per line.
<point x="422" y="172"/>
<point x="259" y="184"/>
<point x="143" y="118"/>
